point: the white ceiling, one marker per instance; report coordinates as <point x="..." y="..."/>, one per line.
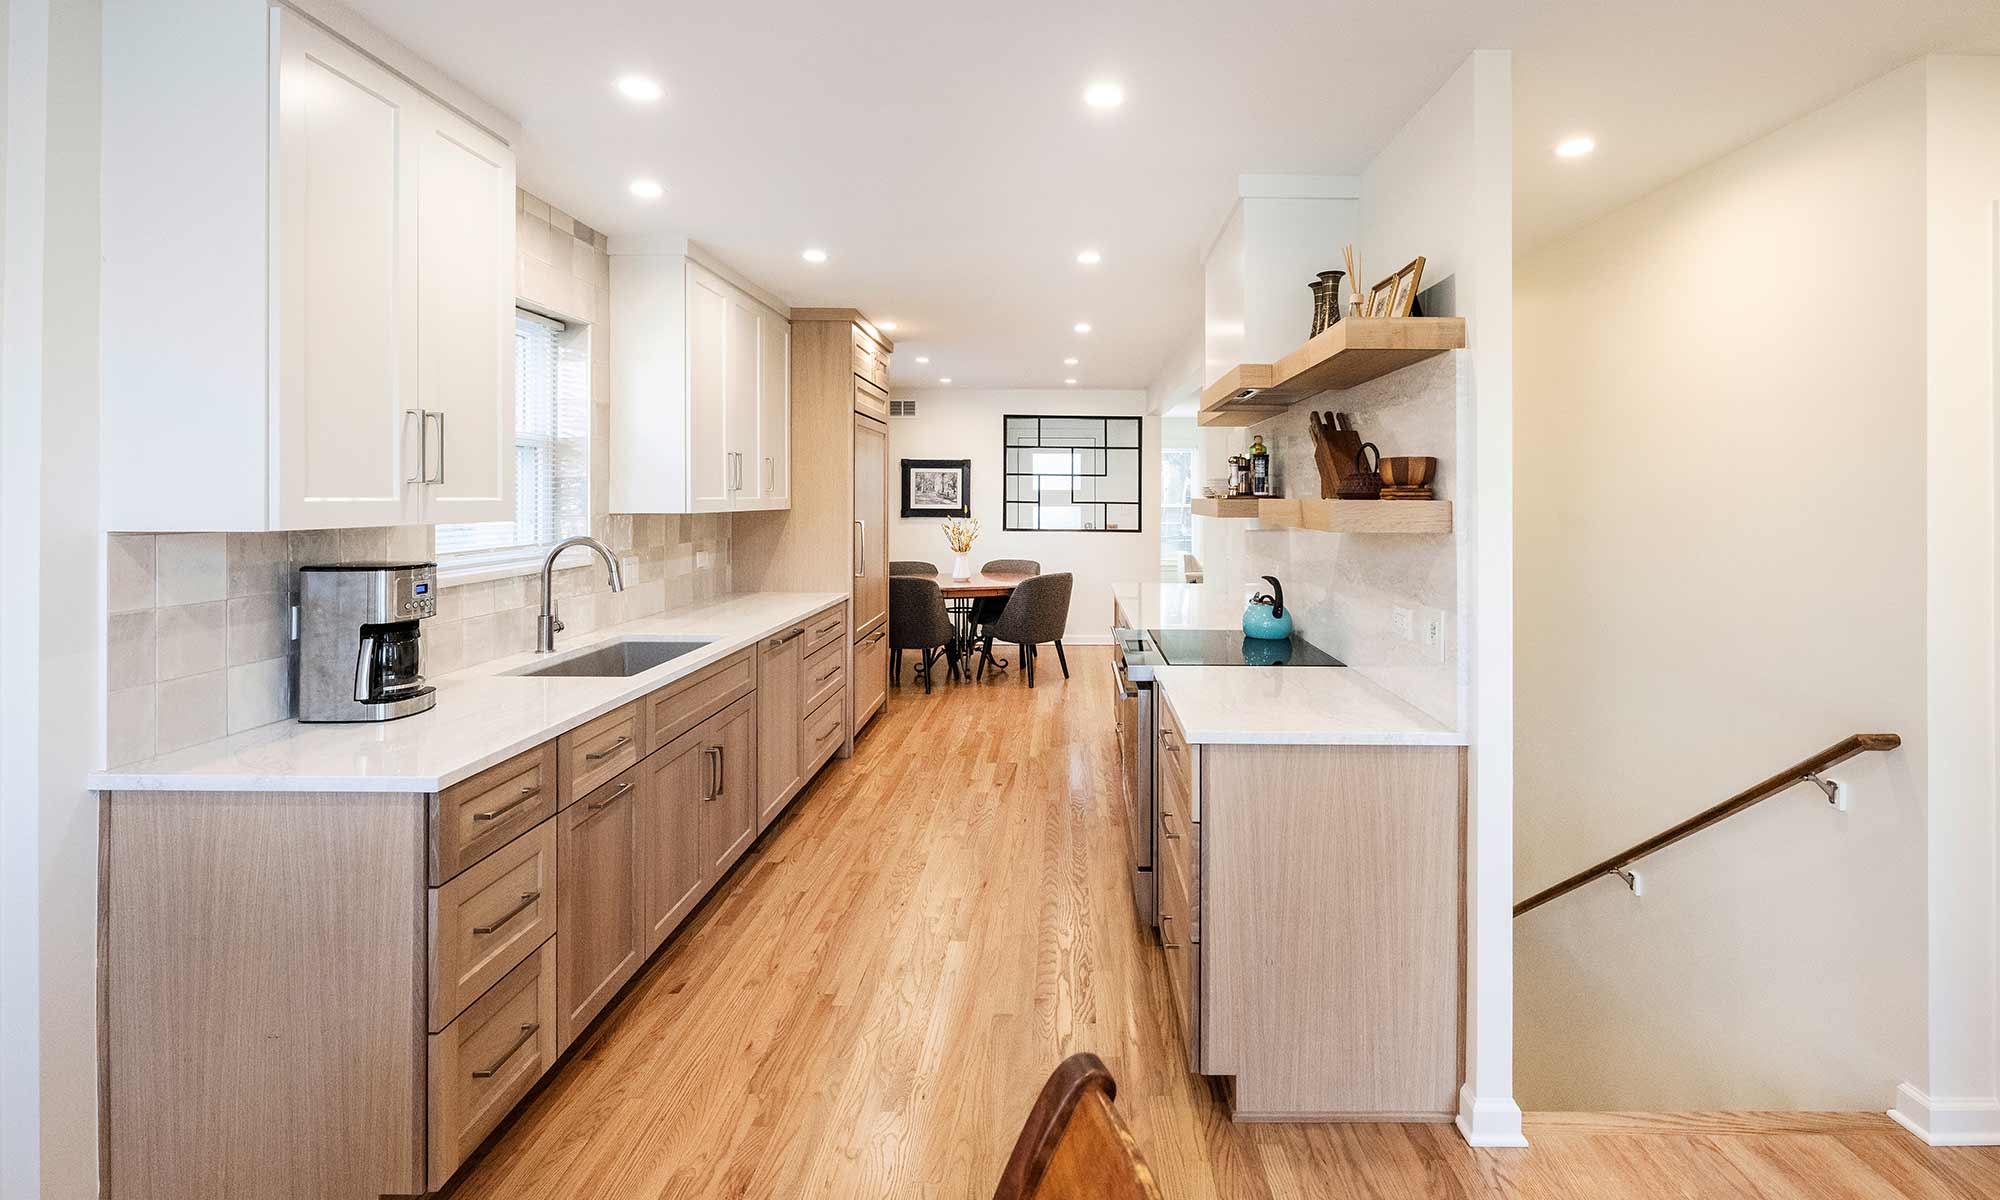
<point x="942" y="156"/>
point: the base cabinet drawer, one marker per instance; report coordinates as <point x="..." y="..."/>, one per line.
<point x="686" y="703"/>
<point x="595" y="752"/>
<point x="824" y="731"/>
<point x="871" y="676"/>
<point x="485" y="1061"/>
<point x="825" y="627"/>
<point x="1177" y="942"/>
<point x="825" y="674"/>
<point x="472" y="819"/>
<point x="489" y="918"/>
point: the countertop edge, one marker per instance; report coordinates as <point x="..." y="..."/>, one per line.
<point x="137" y="779"/>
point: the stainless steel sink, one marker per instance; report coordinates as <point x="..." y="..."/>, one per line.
<point x="616" y="660"/>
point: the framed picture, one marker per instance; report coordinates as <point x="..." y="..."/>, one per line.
<point x="937" y="487"/>
<point x="1407" y="281"/>
<point x="1382" y="298"/>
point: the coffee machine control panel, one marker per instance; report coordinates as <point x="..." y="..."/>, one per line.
<point x="414" y="593"/>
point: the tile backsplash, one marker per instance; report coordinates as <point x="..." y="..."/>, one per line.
<point x="199" y="642"/>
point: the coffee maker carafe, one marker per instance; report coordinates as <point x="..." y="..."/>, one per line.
<point x="360" y="648"/>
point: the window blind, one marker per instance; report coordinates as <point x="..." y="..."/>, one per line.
<point x="551" y="450"/>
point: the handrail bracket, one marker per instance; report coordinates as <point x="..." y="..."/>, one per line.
<point x="1632" y="879"/>
<point x="1835" y="794"/>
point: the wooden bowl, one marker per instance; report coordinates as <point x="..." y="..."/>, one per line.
<point x="1405" y="471"/>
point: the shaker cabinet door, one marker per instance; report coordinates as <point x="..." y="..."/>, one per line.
<point x="708" y="463"/>
<point x="598" y="924"/>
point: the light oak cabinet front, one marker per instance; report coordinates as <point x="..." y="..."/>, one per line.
<point x="871" y="524"/>
<point x="701" y="390"/>
<point x="781" y="711"/>
<point x="336" y="347"/>
<point x="729" y="818"/>
<point x="489" y="1058"/>
<point x="871" y="675"/>
<point x="674" y="798"/>
<point x="598" y="922"/>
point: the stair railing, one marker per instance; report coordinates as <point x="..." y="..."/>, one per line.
<point x="1808" y="771"/>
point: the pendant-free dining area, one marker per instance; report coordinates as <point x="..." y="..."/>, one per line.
<point x="957" y="622"/>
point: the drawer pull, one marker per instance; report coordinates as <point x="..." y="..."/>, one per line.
<point x="612" y="799"/>
<point x="1166" y="827"/>
<point x="830" y="673"/>
<point x="827" y="628"/>
<point x="1167" y="738"/>
<point x="527" y="793"/>
<point x="527" y="898"/>
<point x="527" y="1031"/>
<point x="1166" y="942"/>
<point x="608" y="751"/>
<point x="711" y="782"/>
<point x="779" y="641"/>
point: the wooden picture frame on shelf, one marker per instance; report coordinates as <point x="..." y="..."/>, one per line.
<point x="1408" y="280"/>
<point x="1381" y="298"/>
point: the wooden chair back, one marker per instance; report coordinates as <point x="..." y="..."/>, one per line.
<point x="1074" y="1145"/>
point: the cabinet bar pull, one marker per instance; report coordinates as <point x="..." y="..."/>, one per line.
<point x="832" y="671"/>
<point x="527" y="793"/>
<point x="861" y="552"/>
<point x="1166" y="828"/>
<point x="779" y="641"/>
<point x="829" y="627"/>
<point x="610" y="800"/>
<point x="527" y="1031"/>
<point x="711" y="772"/>
<point x="423" y="441"/>
<point x="608" y="751"/>
<point x="440" y="474"/>
<point x="721" y="770"/>
<point x="527" y="898"/>
<point x="1166" y="921"/>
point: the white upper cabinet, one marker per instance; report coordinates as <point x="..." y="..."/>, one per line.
<point x="700" y="391"/>
<point x="308" y="282"/>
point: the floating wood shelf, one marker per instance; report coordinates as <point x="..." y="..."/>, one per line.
<point x="1334" y="516"/>
<point x="1349" y="353"/>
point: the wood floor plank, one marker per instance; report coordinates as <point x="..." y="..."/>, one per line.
<point x="868" y="1005"/>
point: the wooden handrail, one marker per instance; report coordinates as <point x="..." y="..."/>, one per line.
<point x="1833" y="755"/>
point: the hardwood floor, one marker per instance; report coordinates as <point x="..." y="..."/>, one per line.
<point x="868" y="1006"/>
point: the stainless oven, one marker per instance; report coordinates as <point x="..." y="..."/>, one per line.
<point x="1137" y="734"/>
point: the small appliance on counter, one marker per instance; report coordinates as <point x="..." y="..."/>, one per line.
<point x="360" y="651"/>
<point x="1265" y="617"/>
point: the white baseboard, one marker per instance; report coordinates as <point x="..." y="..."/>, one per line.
<point x="1489" y="1122"/>
<point x="1954" y="1122"/>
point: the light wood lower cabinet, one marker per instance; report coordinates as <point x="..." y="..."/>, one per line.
<point x="601" y="748"/>
<point x="489" y="919"/>
<point x="1310" y="901"/>
<point x="729" y="817"/>
<point x="597" y="909"/>
<point x="781" y="709"/>
<point x="673" y="863"/>
<point x="487" y="1059"/>
<point x="871" y="675"/>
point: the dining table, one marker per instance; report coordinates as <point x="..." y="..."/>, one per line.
<point x="960" y="596"/>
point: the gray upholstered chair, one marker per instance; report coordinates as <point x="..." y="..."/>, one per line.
<point x="911" y="566"/>
<point x="917" y="621"/>
<point x="1037" y="612"/>
<point x="986" y="609"/>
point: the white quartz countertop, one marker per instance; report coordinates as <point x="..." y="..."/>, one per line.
<point x="483" y="715"/>
<point x="1294" y="706"/>
<point x="1181" y="605"/>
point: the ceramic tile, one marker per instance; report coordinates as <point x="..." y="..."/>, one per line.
<point x="364" y="545"/>
<point x="259" y="694"/>
<point x="193" y="710"/>
<point x="258" y="563"/>
<point x="533" y="237"/>
<point x="130" y="576"/>
<point x="562" y="221"/>
<point x="535" y="206"/>
<point x="131" y="649"/>
<point x="410" y="543"/>
<point x="190" y="639"/>
<point x="260" y="627"/>
<point x="482" y="639"/>
<point x="315" y="547"/>
<point x="443" y="646"/>
<point x="129" y="726"/>
<point x="193" y="568"/>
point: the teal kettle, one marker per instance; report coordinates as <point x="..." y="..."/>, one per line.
<point x="1266" y="615"/>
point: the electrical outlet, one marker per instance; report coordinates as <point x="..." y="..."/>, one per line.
<point x="1399" y="622"/>
<point x="1430" y="632"/>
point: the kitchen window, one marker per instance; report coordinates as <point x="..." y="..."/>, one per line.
<point x="551" y="457"/>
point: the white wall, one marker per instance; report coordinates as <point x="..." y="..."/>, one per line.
<point x="1443" y="187"/>
<point x="1721" y="530"/>
<point x="50" y="622"/>
<point x="1957" y="1099"/>
<point x="967" y="423"/>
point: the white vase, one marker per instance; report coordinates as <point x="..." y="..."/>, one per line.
<point x="961" y="566"/>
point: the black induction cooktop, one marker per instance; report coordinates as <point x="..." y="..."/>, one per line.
<point x="1229" y="648"/>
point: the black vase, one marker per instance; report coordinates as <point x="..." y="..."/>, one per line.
<point x="1326" y="300"/>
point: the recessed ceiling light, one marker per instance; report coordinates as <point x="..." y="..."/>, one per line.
<point x="1575" y="147"/>
<point x="946" y="379"/>
<point x="814" y="255"/>
<point x="923" y="360"/>
<point x="1069" y="362"/>
<point x="1082" y="327"/>
<point x="1069" y="381"/>
<point x="1089" y="258"/>
<point x="886" y="326"/>
<point x="646" y="189"/>
<point x="640" y="88"/>
<point x="1104" y="95"/>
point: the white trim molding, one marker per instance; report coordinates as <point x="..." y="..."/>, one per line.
<point x="1948" y="1122"/>
<point x="1490" y="1122"/>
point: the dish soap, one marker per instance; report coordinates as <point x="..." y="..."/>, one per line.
<point x="1260" y="468"/>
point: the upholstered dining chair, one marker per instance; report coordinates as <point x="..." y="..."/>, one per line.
<point x="911" y="566"/>
<point x="986" y="609"/>
<point x="1037" y="612"/>
<point x="917" y="621"/>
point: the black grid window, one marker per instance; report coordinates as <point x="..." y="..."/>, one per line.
<point x="1076" y="473"/>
